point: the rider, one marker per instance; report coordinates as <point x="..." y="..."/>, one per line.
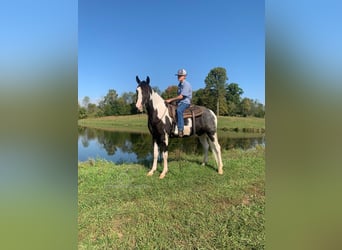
<point x="183" y="99"/>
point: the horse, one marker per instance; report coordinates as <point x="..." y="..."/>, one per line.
<point x="160" y="125"/>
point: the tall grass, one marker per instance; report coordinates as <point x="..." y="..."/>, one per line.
<point x="192" y="208"/>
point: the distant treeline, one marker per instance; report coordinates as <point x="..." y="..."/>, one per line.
<point x="223" y="98"/>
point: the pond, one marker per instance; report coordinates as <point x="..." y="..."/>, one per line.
<point x="127" y="147"/>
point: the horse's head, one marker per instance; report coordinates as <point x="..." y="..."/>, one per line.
<point x="144" y="92"/>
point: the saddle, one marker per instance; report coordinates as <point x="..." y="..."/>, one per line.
<point x="192" y="112"/>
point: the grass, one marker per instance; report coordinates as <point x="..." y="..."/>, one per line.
<point x="240" y="122"/>
<point x="138" y="123"/>
<point x="192" y="208"/>
<point x="128" y="123"/>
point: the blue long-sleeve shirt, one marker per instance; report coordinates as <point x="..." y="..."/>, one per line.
<point x="184" y="89"/>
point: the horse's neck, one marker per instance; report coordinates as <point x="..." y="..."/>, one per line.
<point x="157" y="104"/>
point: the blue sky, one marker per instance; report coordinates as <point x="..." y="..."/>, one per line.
<point x="120" y="39"/>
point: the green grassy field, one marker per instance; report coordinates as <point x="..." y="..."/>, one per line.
<point x="129" y="123"/>
<point x="192" y="208"/>
<point x="138" y="123"/>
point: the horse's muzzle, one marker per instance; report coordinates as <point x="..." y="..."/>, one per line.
<point x="139" y="107"/>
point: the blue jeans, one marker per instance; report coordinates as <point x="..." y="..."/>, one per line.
<point x="180" y="110"/>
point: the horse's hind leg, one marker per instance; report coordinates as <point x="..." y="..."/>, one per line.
<point x="216" y="148"/>
<point x="204" y="141"/>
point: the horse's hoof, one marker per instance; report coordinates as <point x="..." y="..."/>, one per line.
<point x="220" y="172"/>
<point x="149" y="174"/>
<point x="162" y="176"/>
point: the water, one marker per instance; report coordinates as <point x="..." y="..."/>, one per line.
<point x="127" y="147"/>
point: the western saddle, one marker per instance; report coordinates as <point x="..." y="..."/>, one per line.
<point x="192" y="112"/>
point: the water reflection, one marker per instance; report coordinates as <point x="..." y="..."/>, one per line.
<point x="124" y="147"/>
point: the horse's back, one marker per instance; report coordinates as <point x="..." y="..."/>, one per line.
<point x="206" y="123"/>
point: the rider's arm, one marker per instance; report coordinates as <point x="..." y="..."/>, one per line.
<point x="180" y="97"/>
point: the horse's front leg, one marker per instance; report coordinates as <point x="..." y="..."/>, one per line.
<point x="155" y="158"/>
<point x="165" y="169"/>
<point x="164" y="148"/>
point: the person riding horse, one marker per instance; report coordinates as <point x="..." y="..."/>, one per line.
<point x="183" y="99"/>
<point x="160" y="123"/>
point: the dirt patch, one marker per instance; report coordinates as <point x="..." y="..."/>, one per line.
<point x="117" y="224"/>
<point x="255" y="191"/>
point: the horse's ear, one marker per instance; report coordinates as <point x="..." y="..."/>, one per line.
<point x="147" y="80"/>
<point x="137" y="79"/>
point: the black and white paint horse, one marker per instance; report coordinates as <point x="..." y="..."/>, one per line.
<point x="160" y="126"/>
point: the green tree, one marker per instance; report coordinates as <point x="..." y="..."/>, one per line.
<point x="111" y="97"/>
<point x="92" y="109"/>
<point x="108" y="110"/>
<point x="170" y="92"/>
<point x="199" y="98"/>
<point x="108" y="104"/>
<point x="233" y="98"/>
<point x="215" y="89"/>
<point x="246" y="107"/>
<point x="126" y="103"/>
<point x="121" y="107"/>
<point x="257" y="109"/>
<point x="232" y="108"/>
<point x="157" y="90"/>
<point x="85" y="101"/>
<point x="82" y="112"/>
<point x="233" y="93"/>
<point x="128" y="97"/>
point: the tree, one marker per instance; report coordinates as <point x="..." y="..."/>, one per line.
<point x="246" y="107"/>
<point x="92" y="109"/>
<point x="123" y="105"/>
<point x="234" y="93"/>
<point x="82" y="112"/>
<point x="233" y="97"/>
<point x="260" y="112"/>
<point x="157" y="90"/>
<point x="257" y="109"/>
<point x="85" y="101"/>
<point x="111" y="97"/>
<point x="107" y="105"/>
<point x="232" y="108"/>
<point x="128" y="98"/>
<point x="199" y="98"/>
<point x="215" y="89"/>
<point x="170" y="92"/>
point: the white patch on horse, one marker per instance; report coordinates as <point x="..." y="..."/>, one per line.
<point x="187" y="128"/>
<point x="168" y="116"/>
<point x="165" y="156"/>
<point x="166" y="138"/>
<point x="155" y="159"/>
<point x="215" y="118"/>
<point x="139" y="101"/>
<point x="159" y="107"/>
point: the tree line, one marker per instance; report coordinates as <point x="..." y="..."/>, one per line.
<point x="223" y="98"/>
